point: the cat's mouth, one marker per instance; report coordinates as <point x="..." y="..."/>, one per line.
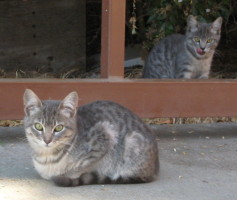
<point x="200" y="51"/>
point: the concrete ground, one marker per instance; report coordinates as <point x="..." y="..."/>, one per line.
<point x="198" y="162"/>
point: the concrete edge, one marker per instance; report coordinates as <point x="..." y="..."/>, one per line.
<point x="174" y="130"/>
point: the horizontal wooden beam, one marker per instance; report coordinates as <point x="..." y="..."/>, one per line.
<point x="147" y="98"/>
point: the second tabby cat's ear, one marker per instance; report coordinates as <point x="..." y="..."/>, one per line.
<point x="216" y="26"/>
<point x="68" y="106"/>
<point x="192" y="23"/>
<point x="32" y="102"/>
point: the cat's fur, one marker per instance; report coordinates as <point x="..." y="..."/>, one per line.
<point x="180" y="56"/>
<point x="101" y="142"/>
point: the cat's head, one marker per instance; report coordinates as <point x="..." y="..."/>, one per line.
<point x="49" y="124"/>
<point x="203" y="38"/>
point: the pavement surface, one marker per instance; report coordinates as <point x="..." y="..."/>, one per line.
<point x="198" y="162"/>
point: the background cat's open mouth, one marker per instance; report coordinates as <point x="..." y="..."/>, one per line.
<point x="200" y="51"/>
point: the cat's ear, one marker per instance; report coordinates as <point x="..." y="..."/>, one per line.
<point x="68" y="106"/>
<point x="192" y="24"/>
<point x="32" y="102"/>
<point x="216" y="26"/>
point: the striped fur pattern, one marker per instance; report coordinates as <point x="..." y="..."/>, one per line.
<point x="101" y="142"/>
<point x="186" y="56"/>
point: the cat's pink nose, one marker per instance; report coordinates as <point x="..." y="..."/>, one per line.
<point x="47" y="140"/>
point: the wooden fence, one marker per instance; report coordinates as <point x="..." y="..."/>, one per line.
<point x="147" y="98"/>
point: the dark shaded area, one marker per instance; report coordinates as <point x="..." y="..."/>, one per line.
<point x="93" y="32"/>
<point x="44" y="37"/>
<point x="225" y="60"/>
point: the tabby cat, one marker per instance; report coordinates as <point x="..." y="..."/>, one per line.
<point x="185" y="56"/>
<point x="101" y="142"/>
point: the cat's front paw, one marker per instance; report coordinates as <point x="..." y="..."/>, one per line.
<point x="63" y="181"/>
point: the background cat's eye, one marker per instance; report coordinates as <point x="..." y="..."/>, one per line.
<point x="209" y="40"/>
<point x="39" y="127"/>
<point x="58" y="128"/>
<point x="196" y="39"/>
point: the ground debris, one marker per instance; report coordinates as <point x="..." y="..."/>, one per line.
<point x="191" y="120"/>
<point x="10" y="123"/>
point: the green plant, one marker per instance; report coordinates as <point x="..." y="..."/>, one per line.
<point x="169" y="16"/>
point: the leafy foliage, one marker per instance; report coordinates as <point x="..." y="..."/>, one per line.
<point x="164" y="17"/>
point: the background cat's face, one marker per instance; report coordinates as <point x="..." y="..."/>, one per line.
<point x="203" y="38"/>
<point x="49" y="124"/>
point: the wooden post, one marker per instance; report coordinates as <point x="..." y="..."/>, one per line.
<point x="113" y="38"/>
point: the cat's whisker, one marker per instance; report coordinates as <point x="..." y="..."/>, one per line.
<point x="66" y="144"/>
<point x="218" y="53"/>
<point x="23" y="139"/>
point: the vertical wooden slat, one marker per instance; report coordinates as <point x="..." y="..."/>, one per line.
<point x="113" y="38"/>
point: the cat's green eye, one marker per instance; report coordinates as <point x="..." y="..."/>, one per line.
<point x="196" y="39"/>
<point x="209" y="40"/>
<point x="39" y="127"/>
<point x="58" y="128"/>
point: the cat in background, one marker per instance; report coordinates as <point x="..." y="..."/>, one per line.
<point x="101" y="142"/>
<point x="186" y="56"/>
